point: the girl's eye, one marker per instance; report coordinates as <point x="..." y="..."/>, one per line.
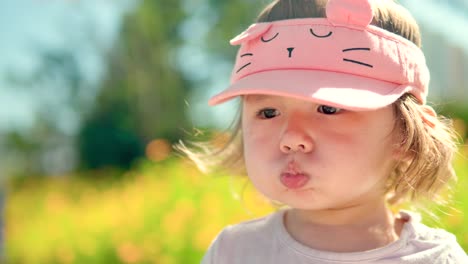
<point x="328" y="110"/>
<point x="267" y="113"/>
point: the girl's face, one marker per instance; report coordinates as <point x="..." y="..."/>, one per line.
<point x="312" y="156"/>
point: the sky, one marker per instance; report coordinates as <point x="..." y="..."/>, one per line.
<point x="449" y="18"/>
<point x="59" y="25"/>
<point x="26" y="25"/>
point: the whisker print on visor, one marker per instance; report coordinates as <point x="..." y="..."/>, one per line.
<point x="351" y="49"/>
<point x="245" y="65"/>
<point x="358" y="62"/>
<point x="355" y="61"/>
<point x="320" y="36"/>
<point x="268" y="40"/>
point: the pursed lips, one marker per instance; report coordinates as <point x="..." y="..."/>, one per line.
<point x="293" y="177"/>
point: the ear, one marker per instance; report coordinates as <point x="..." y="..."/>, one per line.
<point x="254" y="31"/>
<point x="399" y="154"/>
<point x="429" y="117"/>
<point x="357" y="13"/>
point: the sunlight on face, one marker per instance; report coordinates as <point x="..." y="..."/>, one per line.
<point x="315" y="156"/>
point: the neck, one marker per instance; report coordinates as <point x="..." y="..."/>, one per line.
<point x="354" y="228"/>
<point x="352" y="215"/>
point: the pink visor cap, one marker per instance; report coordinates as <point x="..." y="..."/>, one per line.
<point x="340" y="61"/>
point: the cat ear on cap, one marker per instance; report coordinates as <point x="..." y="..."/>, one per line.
<point x="254" y="31"/>
<point x="357" y="13"/>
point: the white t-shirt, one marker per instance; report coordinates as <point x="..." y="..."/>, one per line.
<point x="266" y="241"/>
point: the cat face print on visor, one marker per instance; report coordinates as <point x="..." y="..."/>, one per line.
<point x="340" y="61"/>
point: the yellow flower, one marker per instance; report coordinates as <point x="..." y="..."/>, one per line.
<point x="176" y="220"/>
<point x="129" y="252"/>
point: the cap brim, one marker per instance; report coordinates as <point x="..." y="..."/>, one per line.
<point x="329" y="88"/>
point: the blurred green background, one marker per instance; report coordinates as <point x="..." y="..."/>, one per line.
<point x="94" y="93"/>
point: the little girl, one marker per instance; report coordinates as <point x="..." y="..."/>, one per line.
<point x="335" y="127"/>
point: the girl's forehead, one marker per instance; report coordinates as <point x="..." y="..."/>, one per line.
<point x="268" y="98"/>
<point x="257" y="97"/>
<point x="254" y="99"/>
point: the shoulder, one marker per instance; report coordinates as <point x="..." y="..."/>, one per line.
<point x="257" y="230"/>
<point x="243" y="239"/>
<point x="436" y="244"/>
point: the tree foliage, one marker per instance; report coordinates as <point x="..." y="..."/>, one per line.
<point x="142" y="96"/>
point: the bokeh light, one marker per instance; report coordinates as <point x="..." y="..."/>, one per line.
<point x="158" y="150"/>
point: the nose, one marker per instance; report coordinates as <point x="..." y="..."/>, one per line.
<point x="290" y="51"/>
<point x="295" y="139"/>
